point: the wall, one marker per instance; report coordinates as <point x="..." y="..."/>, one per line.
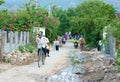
<point x="11" y="40"/>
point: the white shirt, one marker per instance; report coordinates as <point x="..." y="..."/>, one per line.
<point x="100" y="43"/>
<point x="56" y="42"/>
<point x="46" y="40"/>
<point x="42" y="42"/>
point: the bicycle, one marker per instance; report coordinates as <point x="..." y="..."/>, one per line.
<point x="41" y="56"/>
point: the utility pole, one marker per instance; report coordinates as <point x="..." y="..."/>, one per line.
<point x="49" y="10"/>
<point x="36" y="3"/>
<point x="50" y="6"/>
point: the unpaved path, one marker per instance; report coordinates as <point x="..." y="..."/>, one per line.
<point x="29" y="73"/>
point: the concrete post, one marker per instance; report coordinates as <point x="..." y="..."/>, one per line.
<point x="24" y="38"/>
<point x="11" y="41"/>
<point x="21" y="38"/>
<point x="112" y="46"/>
<point x="16" y="40"/>
<point x="27" y="37"/>
<point x="2" y="43"/>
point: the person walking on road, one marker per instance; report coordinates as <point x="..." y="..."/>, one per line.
<point x="47" y="47"/>
<point x="56" y="43"/>
<point x="82" y="43"/>
<point x="99" y="45"/>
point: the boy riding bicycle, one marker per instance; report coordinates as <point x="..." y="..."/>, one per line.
<point x="41" y="43"/>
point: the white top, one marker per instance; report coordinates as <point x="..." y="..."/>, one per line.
<point x="56" y="42"/>
<point x="46" y="40"/>
<point x="42" y="42"/>
<point x="100" y="42"/>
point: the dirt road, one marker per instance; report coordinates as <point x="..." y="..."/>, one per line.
<point x="30" y="73"/>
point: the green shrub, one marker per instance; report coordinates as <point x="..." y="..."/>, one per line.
<point x="22" y="48"/>
<point x="29" y="48"/>
<point x="118" y="68"/>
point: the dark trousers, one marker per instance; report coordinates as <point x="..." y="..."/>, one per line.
<point x="99" y="48"/>
<point x="47" y="52"/>
<point x="43" y="49"/>
<point x="57" y="47"/>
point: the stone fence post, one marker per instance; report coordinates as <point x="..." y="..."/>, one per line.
<point x="0" y="45"/>
<point x="2" y="41"/>
<point x="112" y="45"/>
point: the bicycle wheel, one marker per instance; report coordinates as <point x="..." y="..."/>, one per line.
<point x="39" y="56"/>
<point x="43" y="59"/>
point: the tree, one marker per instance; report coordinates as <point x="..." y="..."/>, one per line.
<point x="116" y="29"/>
<point x="1" y="2"/>
<point x="64" y="21"/>
<point x="91" y="17"/>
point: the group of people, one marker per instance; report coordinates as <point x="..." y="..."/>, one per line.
<point x="44" y="45"/>
<point x="60" y="40"/>
<point x="80" y="40"/>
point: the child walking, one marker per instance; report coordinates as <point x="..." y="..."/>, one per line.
<point x="56" y="43"/>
